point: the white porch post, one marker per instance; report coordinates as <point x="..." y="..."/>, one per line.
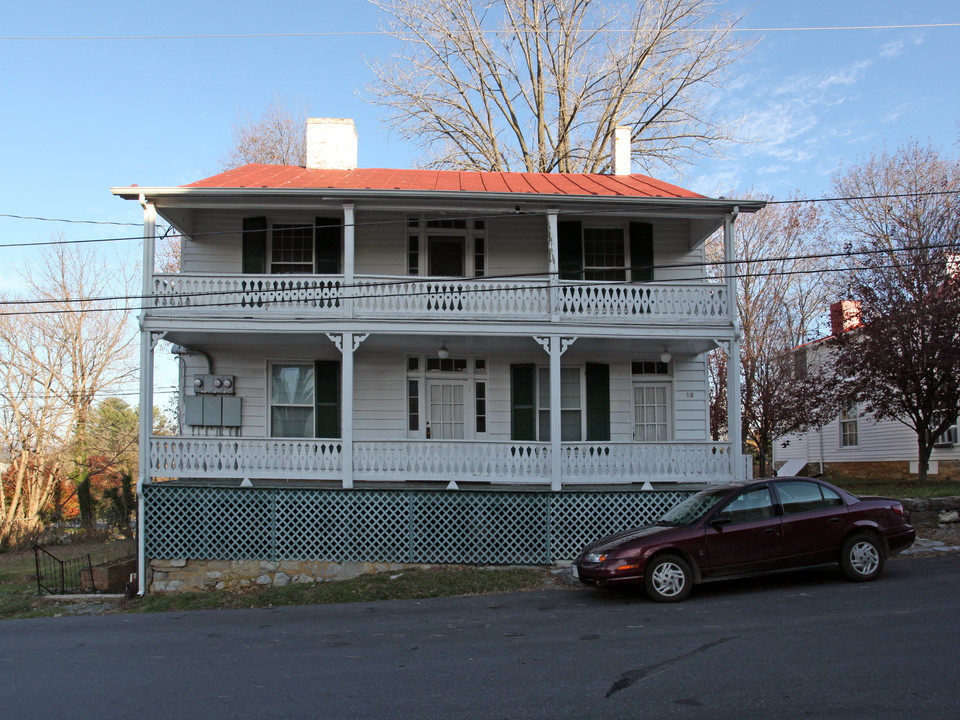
<point x="733" y="359"/>
<point x="556" y="477"/>
<point x="349" y="253"/>
<point x="553" y="264"/>
<point x="146" y="386"/>
<point x="346" y="418"/>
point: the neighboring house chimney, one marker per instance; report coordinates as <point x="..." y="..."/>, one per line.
<point x="620" y="150"/>
<point x="331" y="144"/>
<point x="844" y="315"/>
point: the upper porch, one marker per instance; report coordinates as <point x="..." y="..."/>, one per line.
<point x="537" y="300"/>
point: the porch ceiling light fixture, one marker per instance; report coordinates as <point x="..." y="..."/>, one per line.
<point x="665" y="356"/>
<point x="443" y="353"/>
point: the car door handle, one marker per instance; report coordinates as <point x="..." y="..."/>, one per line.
<point x="770" y="531"/>
<point x="833" y="521"/>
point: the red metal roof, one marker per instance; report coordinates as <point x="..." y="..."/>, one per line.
<point x="298" y="178"/>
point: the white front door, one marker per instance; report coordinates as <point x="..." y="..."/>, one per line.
<point x="446" y="416"/>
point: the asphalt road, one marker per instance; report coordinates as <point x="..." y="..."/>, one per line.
<point x="801" y="645"/>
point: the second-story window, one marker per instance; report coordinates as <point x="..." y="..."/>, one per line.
<point x="605" y="253"/>
<point x="308" y="247"/>
<point x="291" y="250"/>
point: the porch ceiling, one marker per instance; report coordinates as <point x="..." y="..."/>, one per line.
<point x="457" y="344"/>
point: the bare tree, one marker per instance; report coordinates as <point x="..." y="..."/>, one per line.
<point x="277" y="138"/>
<point x="59" y="349"/>
<point x="782" y="290"/>
<point x="540" y="85"/>
<point x="902" y="216"/>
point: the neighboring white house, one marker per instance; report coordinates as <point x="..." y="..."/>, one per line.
<point x="854" y="446"/>
<point x="345" y="328"/>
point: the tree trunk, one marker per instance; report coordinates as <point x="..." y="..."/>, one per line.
<point x="924" y="449"/>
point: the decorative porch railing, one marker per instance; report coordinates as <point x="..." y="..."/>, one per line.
<point x="204" y="457"/>
<point x="438" y="298"/>
<point x="441" y="460"/>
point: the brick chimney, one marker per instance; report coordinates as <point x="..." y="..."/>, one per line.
<point x="844" y="315"/>
<point x="331" y="144"/>
<point x="620" y="150"/>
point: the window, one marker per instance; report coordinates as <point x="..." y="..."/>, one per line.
<point x="304" y="248"/>
<point x="848" y="427"/>
<point x="584" y="403"/>
<point x="948" y="438"/>
<point x="798" y="497"/>
<point x="447" y="247"/>
<point x="571" y="424"/>
<point x="605" y="253"/>
<point x="751" y="505"/>
<point x="305" y="399"/>
<point x="650" y="368"/>
<point x="291" y="250"/>
<point x="291" y="401"/>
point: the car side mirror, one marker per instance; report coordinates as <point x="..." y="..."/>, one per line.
<point x="721" y="519"/>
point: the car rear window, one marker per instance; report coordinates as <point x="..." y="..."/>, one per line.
<point x="797" y="497"/>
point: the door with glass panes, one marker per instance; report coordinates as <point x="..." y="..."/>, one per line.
<point x="446" y="409"/>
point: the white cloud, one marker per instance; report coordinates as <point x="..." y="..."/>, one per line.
<point x="895" y="113"/>
<point x="845" y="76"/>
<point x="892" y="49"/>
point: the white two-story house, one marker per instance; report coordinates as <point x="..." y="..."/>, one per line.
<point x="369" y="339"/>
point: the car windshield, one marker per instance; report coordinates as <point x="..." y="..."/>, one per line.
<point x="693" y="508"/>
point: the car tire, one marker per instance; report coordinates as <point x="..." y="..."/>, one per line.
<point x="668" y="579"/>
<point x="862" y="558"/>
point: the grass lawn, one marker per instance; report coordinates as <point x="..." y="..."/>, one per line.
<point x="410" y="584"/>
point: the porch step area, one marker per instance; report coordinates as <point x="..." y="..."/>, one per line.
<point x="791" y="468"/>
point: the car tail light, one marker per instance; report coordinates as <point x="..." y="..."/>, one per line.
<point x="898" y="509"/>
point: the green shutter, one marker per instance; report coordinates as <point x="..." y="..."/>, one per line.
<point x="326" y="380"/>
<point x="523" y="408"/>
<point x="326" y="234"/>
<point x="641" y="252"/>
<point x="254" y="245"/>
<point x="598" y="402"/>
<point x="570" y="250"/>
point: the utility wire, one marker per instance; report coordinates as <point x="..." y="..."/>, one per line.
<point x="404" y="222"/>
<point x="388" y="33"/>
<point x="257" y="297"/>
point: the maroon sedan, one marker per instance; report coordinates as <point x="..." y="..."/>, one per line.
<point x="749" y="528"/>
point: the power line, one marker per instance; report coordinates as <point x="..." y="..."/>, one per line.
<point x="388" y="33"/>
<point x="64" y="220"/>
<point x="256" y="297"/>
<point x="493" y="216"/>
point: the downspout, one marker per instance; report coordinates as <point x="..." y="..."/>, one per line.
<point x="146" y="385"/>
<point x="734" y="415"/>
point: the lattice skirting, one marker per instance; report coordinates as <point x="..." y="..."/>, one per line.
<point x="391" y="526"/>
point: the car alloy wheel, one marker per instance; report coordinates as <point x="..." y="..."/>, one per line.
<point x="862" y="558"/>
<point x="668" y="579"/>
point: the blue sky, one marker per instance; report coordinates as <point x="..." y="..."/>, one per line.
<point x="80" y="116"/>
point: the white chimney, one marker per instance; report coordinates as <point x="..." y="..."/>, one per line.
<point x="620" y="150"/>
<point x="331" y="144"/>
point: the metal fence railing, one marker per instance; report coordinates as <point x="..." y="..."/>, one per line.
<point x="59" y="577"/>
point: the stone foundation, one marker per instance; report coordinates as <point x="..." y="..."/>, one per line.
<point x="839" y="473"/>
<point x="178" y="575"/>
<point x="932" y="511"/>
